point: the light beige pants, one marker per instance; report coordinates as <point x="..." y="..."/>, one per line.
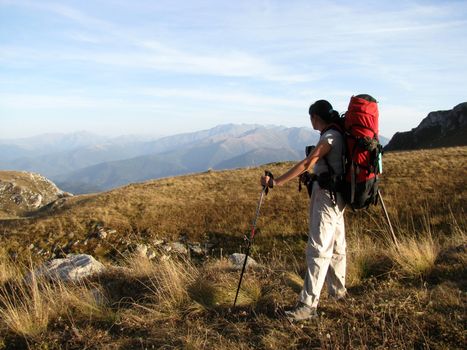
<point x="325" y="254"/>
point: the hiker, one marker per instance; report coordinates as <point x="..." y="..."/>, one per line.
<point x="325" y="253"/>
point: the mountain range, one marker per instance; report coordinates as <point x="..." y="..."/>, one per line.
<point x="84" y="162"/>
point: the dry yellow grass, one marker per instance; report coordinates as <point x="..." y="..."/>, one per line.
<point x="415" y="256"/>
<point x="398" y="298"/>
<point x="222" y="204"/>
<point x="8" y="269"/>
<point x="28" y="303"/>
<point x="28" y="310"/>
<point x="217" y="283"/>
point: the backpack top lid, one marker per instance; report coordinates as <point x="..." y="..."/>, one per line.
<point x="362" y="116"/>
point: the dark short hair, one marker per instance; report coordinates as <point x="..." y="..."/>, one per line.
<point x="324" y="110"/>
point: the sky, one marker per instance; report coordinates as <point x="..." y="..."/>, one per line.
<point x="117" y="67"/>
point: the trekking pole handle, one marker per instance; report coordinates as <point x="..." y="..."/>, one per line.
<point x="270" y="183"/>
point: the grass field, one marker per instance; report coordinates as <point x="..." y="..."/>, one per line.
<point x="413" y="296"/>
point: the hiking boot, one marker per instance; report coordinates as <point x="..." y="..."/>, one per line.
<point x="340" y="298"/>
<point x="301" y="312"/>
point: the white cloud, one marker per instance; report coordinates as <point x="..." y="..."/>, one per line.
<point x="21" y="101"/>
<point x="224" y="97"/>
<point x="406" y="51"/>
<point x="84" y="37"/>
<point x="228" y="64"/>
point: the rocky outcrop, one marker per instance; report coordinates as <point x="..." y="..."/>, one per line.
<point x="70" y="269"/>
<point x="21" y="192"/>
<point x="438" y="129"/>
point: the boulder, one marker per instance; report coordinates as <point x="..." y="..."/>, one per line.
<point x="70" y="269"/>
<point x="237" y="260"/>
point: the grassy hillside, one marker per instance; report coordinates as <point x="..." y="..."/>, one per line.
<point x="411" y="296"/>
<point x="222" y="204"/>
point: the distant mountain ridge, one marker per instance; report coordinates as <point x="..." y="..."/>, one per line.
<point x="83" y="162"/>
<point x="87" y="163"/>
<point x="238" y="147"/>
<point x="438" y="129"/>
<point x="53" y="154"/>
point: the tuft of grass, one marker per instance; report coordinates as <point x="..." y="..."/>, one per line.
<point x="27" y="309"/>
<point x="365" y="259"/>
<point x="446" y="296"/>
<point x="140" y="266"/>
<point x="277" y="339"/>
<point x="294" y="281"/>
<point x="217" y="285"/>
<point x="8" y="270"/>
<point x="86" y="302"/>
<point x="27" y="306"/>
<point x="169" y="283"/>
<point x="415" y="256"/>
<point x="164" y="282"/>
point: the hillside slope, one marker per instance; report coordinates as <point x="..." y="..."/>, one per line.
<point x="406" y="296"/>
<point x="222" y="203"/>
<point x="222" y="148"/>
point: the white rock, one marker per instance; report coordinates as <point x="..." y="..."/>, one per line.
<point x="167" y="247"/>
<point x="72" y="268"/>
<point x="179" y="248"/>
<point x="237" y="260"/>
<point x="141" y="250"/>
<point x="151" y="254"/>
<point x="197" y="249"/>
<point x="36" y="200"/>
<point x="101" y="234"/>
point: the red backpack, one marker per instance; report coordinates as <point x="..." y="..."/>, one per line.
<point x="363" y="153"/>
<point x="362" y="161"/>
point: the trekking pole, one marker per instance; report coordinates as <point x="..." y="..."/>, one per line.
<point x="388" y="220"/>
<point x="252" y="235"/>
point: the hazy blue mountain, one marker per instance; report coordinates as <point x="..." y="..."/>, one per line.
<point x="57" y="155"/>
<point x="52" y="154"/>
<point x="9" y="152"/>
<point x="225" y="147"/>
<point x="260" y="156"/>
<point x="62" y="162"/>
<point x="112" y="174"/>
<point x="49" y="143"/>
